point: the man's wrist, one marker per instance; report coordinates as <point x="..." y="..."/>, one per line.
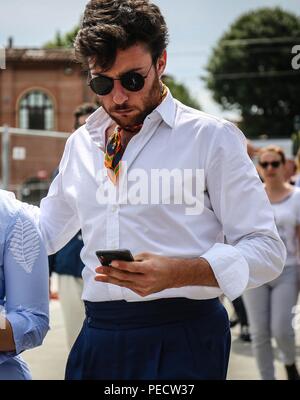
<point x="192" y="272"/>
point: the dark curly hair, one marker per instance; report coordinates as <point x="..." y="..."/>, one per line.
<point x="109" y="25"/>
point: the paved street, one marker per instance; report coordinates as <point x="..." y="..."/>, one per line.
<point x="48" y="361"/>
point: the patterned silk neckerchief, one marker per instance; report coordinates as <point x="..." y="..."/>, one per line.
<point x="114" y="149"/>
<point x="113" y="154"/>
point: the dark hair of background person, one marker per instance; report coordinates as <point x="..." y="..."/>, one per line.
<point x="275" y="149"/>
<point x="83" y="109"/>
<point x="110" y="25"/>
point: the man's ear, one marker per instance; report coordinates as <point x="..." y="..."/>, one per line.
<point x="162" y="63"/>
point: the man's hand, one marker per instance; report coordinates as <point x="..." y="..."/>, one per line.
<point x="147" y="274"/>
<point x="150" y="273"/>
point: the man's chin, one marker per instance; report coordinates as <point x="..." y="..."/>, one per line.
<point x="126" y="120"/>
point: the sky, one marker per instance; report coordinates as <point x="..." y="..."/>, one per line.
<point x="194" y="26"/>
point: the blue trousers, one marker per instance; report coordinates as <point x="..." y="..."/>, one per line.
<point x="162" y="339"/>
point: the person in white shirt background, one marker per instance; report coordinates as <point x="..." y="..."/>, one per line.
<point x="158" y="317"/>
<point x="270" y="306"/>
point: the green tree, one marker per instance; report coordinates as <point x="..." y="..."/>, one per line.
<point x="65" y="41"/>
<point x="250" y="70"/>
<point x="180" y="92"/>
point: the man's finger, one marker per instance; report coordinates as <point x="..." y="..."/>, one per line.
<point x="113" y="281"/>
<point x="121" y="275"/>
<point x="130" y="266"/>
<point x="142" y="256"/>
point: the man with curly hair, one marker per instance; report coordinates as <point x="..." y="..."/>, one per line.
<point x="159" y="316"/>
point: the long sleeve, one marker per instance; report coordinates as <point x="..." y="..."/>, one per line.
<point x="26" y="278"/>
<point x="58" y="220"/>
<point x="254" y="253"/>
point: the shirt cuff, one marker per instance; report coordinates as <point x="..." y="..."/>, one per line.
<point x="23" y="331"/>
<point x="230" y="269"/>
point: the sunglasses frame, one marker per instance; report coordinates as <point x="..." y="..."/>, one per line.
<point x="121" y="79"/>
<point x="274" y="164"/>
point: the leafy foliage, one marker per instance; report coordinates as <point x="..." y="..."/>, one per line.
<point x="250" y="70"/>
<point x="180" y="92"/>
<point x="65" y="41"/>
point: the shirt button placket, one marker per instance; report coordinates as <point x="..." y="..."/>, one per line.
<point x="113" y="242"/>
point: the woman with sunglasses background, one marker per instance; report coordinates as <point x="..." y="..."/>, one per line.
<point x="269" y="307"/>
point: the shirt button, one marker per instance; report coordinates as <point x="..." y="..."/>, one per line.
<point x="114" y="208"/>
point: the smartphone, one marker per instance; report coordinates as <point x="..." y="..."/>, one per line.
<point x="107" y="256"/>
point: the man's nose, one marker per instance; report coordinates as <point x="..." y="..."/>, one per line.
<point x="119" y="93"/>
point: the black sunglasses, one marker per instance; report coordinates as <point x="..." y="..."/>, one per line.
<point x="274" y="164"/>
<point x="132" y="81"/>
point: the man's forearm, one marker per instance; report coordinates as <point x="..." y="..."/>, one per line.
<point x="193" y="272"/>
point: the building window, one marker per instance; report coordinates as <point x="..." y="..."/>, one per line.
<point x="36" y="111"/>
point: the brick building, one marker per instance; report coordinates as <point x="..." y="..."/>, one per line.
<point x="39" y="89"/>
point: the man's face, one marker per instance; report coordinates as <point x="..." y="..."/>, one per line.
<point x="128" y="108"/>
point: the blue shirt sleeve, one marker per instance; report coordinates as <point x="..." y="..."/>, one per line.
<point x="26" y="280"/>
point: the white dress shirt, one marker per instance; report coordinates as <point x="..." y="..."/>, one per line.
<point x="173" y="137"/>
<point x="287" y="219"/>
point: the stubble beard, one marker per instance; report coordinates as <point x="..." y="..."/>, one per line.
<point x="150" y="102"/>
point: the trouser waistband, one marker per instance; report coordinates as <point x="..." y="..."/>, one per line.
<point x="125" y="315"/>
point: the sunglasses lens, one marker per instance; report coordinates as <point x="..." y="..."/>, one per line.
<point x="102" y="85"/>
<point x="274" y="164"/>
<point x="133" y="81"/>
<point x="264" y="165"/>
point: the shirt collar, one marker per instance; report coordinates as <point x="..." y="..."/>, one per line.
<point x="99" y="121"/>
<point x="167" y="110"/>
<point x="96" y="126"/>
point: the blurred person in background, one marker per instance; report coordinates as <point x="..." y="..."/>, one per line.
<point x="240" y="318"/>
<point x="252" y="150"/>
<point x="270" y="306"/>
<point x="82" y="112"/>
<point x="67" y="262"/>
<point x="240" y="313"/>
<point x="297" y="176"/>
<point x="290" y="171"/>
